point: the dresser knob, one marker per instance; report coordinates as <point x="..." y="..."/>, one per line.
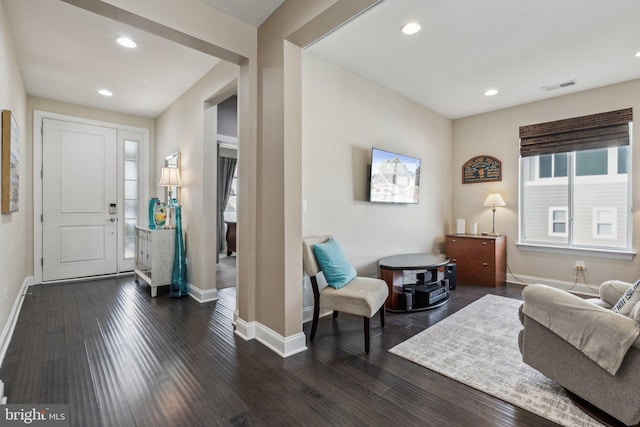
<point x="485" y="264"/>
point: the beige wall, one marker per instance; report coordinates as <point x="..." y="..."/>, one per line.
<point x="182" y="128"/>
<point x="496" y="134"/>
<point x="279" y="218"/>
<point x="16" y="236"/>
<point x="344" y="116"/>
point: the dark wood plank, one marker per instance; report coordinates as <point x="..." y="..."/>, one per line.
<point x="120" y="357"/>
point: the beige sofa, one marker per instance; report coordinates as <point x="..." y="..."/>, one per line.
<point x="585" y="347"/>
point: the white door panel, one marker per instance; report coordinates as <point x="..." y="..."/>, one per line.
<point x="72" y="244"/>
<point x="82" y="172"/>
<point x="79" y="185"/>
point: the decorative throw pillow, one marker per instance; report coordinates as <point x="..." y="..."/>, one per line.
<point x="628" y="300"/>
<point x="334" y="265"/>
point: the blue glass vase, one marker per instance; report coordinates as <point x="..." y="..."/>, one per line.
<point x="152" y="207"/>
<point x="179" y="277"/>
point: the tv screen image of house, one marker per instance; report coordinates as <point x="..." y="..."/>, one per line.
<point x="394" y="178"/>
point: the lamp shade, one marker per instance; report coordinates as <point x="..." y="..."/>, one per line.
<point x="170" y="178"/>
<point x="494" y="199"/>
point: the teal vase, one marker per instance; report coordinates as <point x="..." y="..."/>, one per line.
<point x="179" y="277"/>
<point x="152" y="207"/>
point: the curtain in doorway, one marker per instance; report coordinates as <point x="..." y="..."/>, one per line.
<point x="226" y="169"/>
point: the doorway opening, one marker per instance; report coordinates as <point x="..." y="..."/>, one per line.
<point x="227" y="195"/>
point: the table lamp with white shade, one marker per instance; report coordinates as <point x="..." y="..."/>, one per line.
<point x="494" y="200"/>
<point x="170" y="177"/>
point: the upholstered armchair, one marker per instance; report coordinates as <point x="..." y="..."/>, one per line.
<point x="589" y="347"/>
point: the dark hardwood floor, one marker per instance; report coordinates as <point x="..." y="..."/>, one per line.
<point x="122" y="358"/>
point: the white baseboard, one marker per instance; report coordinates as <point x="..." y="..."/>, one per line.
<point x="245" y="330"/>
<point x="307" y="314"/>
<point x="580" y="288"/>
<point x="283" y="346"/>
<point x="202" y="296"/>
<point x="7" y="332"/>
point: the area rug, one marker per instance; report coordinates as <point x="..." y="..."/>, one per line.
<point x="478" y="346"/>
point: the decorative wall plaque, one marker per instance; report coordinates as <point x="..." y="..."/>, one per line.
<point x="481" y="169"/>
<point x="10" y="163"/>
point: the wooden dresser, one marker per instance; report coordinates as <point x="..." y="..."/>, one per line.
<point x="480" y="260"/>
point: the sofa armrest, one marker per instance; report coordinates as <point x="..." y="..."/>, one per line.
<point x="611" y="291"/>
<point x="602" y="335"/>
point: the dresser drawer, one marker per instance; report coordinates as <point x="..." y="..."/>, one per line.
<point x="479" y="248"/>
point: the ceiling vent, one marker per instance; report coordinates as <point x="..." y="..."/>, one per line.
<point x="559" y="85"/>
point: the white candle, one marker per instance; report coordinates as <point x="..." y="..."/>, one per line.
<point x="474" y="228"/>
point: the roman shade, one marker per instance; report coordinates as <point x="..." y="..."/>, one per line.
<point x="610" y="129"/>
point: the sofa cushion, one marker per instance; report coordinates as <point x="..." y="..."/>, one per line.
<point x="334" y="265"/>
<point x="628" y="300"/>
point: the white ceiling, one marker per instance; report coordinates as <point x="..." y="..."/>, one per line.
<point x="252" y="12"/>
<point x="68" y="54"/>
<point x="468" y="46"/>
<point x="465" y="46"/>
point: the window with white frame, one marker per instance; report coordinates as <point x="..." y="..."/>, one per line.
<point x="575" y="190"/>
<point x="557" y="221"/>
<point x="552" y="165"/>
<point x="605" y="223"/>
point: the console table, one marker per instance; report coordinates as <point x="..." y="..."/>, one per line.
<point x="425" y="292"/>
<point x="154" y="257"/>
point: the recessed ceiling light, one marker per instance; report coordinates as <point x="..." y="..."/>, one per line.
<point x="490" y="92"/>
<point x="126" y="42"/>
<point x="105" y="92"/>
<point x="638" y="54"/>
<point x="410" y="28"/>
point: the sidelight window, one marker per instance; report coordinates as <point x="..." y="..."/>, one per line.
<point x="131" y="185"/>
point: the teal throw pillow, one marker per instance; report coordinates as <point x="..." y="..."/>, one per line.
<point x="335" y="266"/>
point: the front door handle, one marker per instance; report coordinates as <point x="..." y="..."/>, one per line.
<point x="110" y="220"/>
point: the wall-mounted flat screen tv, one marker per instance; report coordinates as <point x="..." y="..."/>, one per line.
<point x="394" y="178"/>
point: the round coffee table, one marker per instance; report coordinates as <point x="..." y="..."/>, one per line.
<point x="425" y="293"/>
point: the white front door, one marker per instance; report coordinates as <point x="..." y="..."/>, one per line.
<point x="80" y="200"/>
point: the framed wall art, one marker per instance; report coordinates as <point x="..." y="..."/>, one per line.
<point x="481" y="169"/>
<point x="10" y="163"/>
